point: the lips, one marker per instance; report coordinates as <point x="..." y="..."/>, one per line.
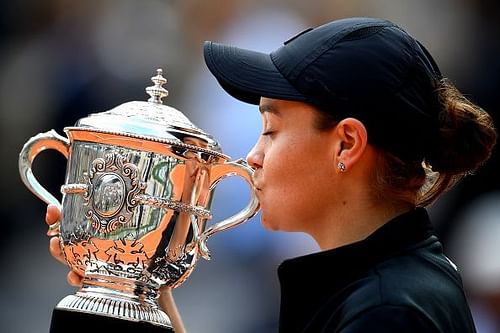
<point x="256" y="185"/>
<point x="258" y="193"/>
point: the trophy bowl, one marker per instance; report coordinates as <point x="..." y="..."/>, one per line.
<point x="136" y="201"/>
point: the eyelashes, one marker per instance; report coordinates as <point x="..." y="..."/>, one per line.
<point x="267" y="132"/>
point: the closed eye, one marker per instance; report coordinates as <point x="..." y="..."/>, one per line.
<point x="267" y="133"/>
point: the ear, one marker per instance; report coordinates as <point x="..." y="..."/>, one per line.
<point x="352" y="140"/>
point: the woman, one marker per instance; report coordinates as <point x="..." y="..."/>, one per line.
<point x="360" y="134"/>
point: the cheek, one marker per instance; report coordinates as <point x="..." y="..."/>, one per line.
<point x="296" y="186"/>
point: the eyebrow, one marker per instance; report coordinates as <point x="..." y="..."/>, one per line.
<point x="268" y="108"/>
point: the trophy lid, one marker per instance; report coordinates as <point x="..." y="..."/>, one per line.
<point x="151" y="120"/>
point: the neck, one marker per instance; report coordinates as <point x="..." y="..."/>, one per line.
<point x="354" y="221"/>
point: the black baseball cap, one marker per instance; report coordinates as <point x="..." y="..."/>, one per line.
<point x="366" y="68"/>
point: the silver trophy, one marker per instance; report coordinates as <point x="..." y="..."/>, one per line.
<point x="136" y="201"/>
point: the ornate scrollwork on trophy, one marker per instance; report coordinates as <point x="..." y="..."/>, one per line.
<point x="126" y="258"/>
<point x="173" y="272"/>
<point x="81" y="249"/>
<point x="112" y="186"/>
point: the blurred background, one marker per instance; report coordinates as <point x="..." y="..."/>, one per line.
<point x="61" y="60"/>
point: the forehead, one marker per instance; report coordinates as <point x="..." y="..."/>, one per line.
<point x="282" y="107"/>
<point x="294" y="113"/>
<point x="268" y="105"/>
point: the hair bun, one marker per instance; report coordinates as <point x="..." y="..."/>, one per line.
<point x="466" y="134"/>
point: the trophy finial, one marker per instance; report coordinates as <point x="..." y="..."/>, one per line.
<point x="157" y="92"/>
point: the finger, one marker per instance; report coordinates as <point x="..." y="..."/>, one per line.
<point x="74" y="279"/>
<point x="167" y="304"/>
<point x="166" y="293"/>
<point x="53" y="214"/>
<point x="55" y="249"/>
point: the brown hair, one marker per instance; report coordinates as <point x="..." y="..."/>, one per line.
<point x="464" y="141"/>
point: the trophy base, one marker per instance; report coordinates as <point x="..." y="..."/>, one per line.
<point x="90" y="309"/>
<point x="75" y="322"/>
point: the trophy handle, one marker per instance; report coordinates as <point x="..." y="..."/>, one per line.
<point x="220" y="171"/>
<point x="34" y="146"/>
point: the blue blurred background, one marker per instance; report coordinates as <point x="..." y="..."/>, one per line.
<point x="61" y="60"/>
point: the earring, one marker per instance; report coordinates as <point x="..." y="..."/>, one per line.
<point x="341" y="166"/>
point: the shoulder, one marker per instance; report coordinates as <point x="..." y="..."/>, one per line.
<point x="419" y="289"/>
<point x="421" y="276"/>
<point x="390" y="318"/>
<point x="420" y="271"/>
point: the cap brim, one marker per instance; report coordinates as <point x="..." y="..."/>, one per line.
<point x="247" y="75"/>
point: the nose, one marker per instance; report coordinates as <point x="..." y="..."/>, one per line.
<point x="255" y="157"/>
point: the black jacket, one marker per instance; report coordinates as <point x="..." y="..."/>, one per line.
<point x="396" y="280"/>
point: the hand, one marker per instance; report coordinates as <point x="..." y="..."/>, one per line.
<point x="53" y="215"/>
<point x="167" y="304"/>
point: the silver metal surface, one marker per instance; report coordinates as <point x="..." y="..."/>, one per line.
<point x="136" y="201"/>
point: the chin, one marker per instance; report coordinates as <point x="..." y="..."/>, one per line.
<point x="268" y="225"/>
